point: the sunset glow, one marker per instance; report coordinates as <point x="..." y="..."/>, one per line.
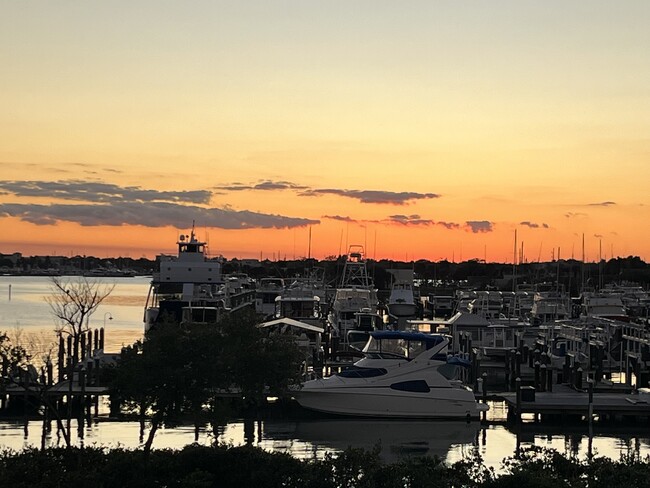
<point x="426" y="129"/>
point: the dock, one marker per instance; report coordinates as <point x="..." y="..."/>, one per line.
<point x="566" y="401"/>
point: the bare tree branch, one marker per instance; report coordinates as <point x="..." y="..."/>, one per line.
<point x="72" y="302"/>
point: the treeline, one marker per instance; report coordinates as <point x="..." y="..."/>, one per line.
<point x="225" y="466"/>
<point x="476" y="273"/>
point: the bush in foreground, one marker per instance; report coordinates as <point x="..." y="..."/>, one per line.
<point x="225" y="467"/>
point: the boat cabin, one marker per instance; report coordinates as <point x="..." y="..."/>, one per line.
<point x="390" y="344"/>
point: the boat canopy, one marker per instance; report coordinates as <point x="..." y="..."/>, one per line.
<point x="385" y="344"/>
<point x="429" y="339"/>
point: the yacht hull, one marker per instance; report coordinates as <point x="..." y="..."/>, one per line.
<point x="385" y="402"/>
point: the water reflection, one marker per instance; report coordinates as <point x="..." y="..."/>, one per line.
<point x="28" y="311"/>
<point x="394" y="438"/>
<point x="306" y="439"/>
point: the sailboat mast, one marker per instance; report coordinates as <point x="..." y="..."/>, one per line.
<point x="514" y="265"/>
<point x="583" y="264"/>
<point x="309" y="247"/>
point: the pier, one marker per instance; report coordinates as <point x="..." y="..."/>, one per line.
<point x="532" y="381"/>
<point x="74" y="386"/>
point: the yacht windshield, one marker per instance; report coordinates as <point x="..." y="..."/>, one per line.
<point x="356" y="372"/>
<point x="395" y="347"/>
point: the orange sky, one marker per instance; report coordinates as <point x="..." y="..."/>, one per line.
<point x="465" y="121"/>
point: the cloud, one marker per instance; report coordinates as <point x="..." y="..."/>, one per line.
<point x="409" y="220"/>
<point x="449" y="225"/>
<point x="262" y="185"/>
<point x="149" y="214"/>
<point x="399" y="219"/>
<point x="340" y="218"/>
<point x="570" y="215"/>
<point x="479" y="226"/>
<point x="373" y="196"/>
<point x="94" y="191"/>
<point x="601" y="204"/>
<point x="534" y="225"/>
<point x="109" y="204"/>
<point x="364" y="196"/>
<point x="598" y="236"/>
<point x="417" y="220"/>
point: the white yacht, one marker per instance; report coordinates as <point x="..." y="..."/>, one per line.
<point x="488" y="304"/>
<point x="401" y="302"/>
<point x="605" y="305"/>
<point x="549" y="307"/>
<point x="355" y="305"/>
<point x="190" y="287"/>
<point x="267" y="290"/>
<point x="300" y="301"/>
<point x="403" y="375"/>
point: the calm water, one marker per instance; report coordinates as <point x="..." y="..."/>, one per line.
<point x="28" y="316"/>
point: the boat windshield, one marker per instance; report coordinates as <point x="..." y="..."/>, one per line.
<point x="356" y="372"/>
<point x="399" y="347"/>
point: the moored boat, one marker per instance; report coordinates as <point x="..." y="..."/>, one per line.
<point x="403" y="375"/>
<point x="190" y="287"/>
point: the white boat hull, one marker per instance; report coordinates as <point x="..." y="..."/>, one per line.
<point x="384" y="402"/>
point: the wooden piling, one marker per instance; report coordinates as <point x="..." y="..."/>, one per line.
<point x="61" y="358"/>
<point x="518" y="390"/>
<point x="89" y="343"/>
<point x="578" y="379"/>
<point x="82" y="343"/>
<point x="525" y="353"/>
<point x="590" y="386"/>
<point x="566" y="369"/>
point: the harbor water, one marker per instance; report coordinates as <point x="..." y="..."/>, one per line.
<point x="25" y="316"/>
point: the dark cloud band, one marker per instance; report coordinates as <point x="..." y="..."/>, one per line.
<point x="152" y="214"/>
<point x="373" y="196"/>
<point x="94" y="191"/>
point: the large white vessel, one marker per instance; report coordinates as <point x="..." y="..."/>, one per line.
<point x="403" y="375"/>
<point x="401" y="302"/>
<point x="190" y="287"/>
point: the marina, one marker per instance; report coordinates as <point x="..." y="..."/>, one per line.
<point x="528" y="391"/>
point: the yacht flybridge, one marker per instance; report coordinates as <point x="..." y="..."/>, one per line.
<point x="355" y="305"/>
<point x="403" y="375"/>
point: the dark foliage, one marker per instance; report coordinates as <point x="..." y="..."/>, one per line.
<point x="204" y="467"/>
<point x="181" y="372"/>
